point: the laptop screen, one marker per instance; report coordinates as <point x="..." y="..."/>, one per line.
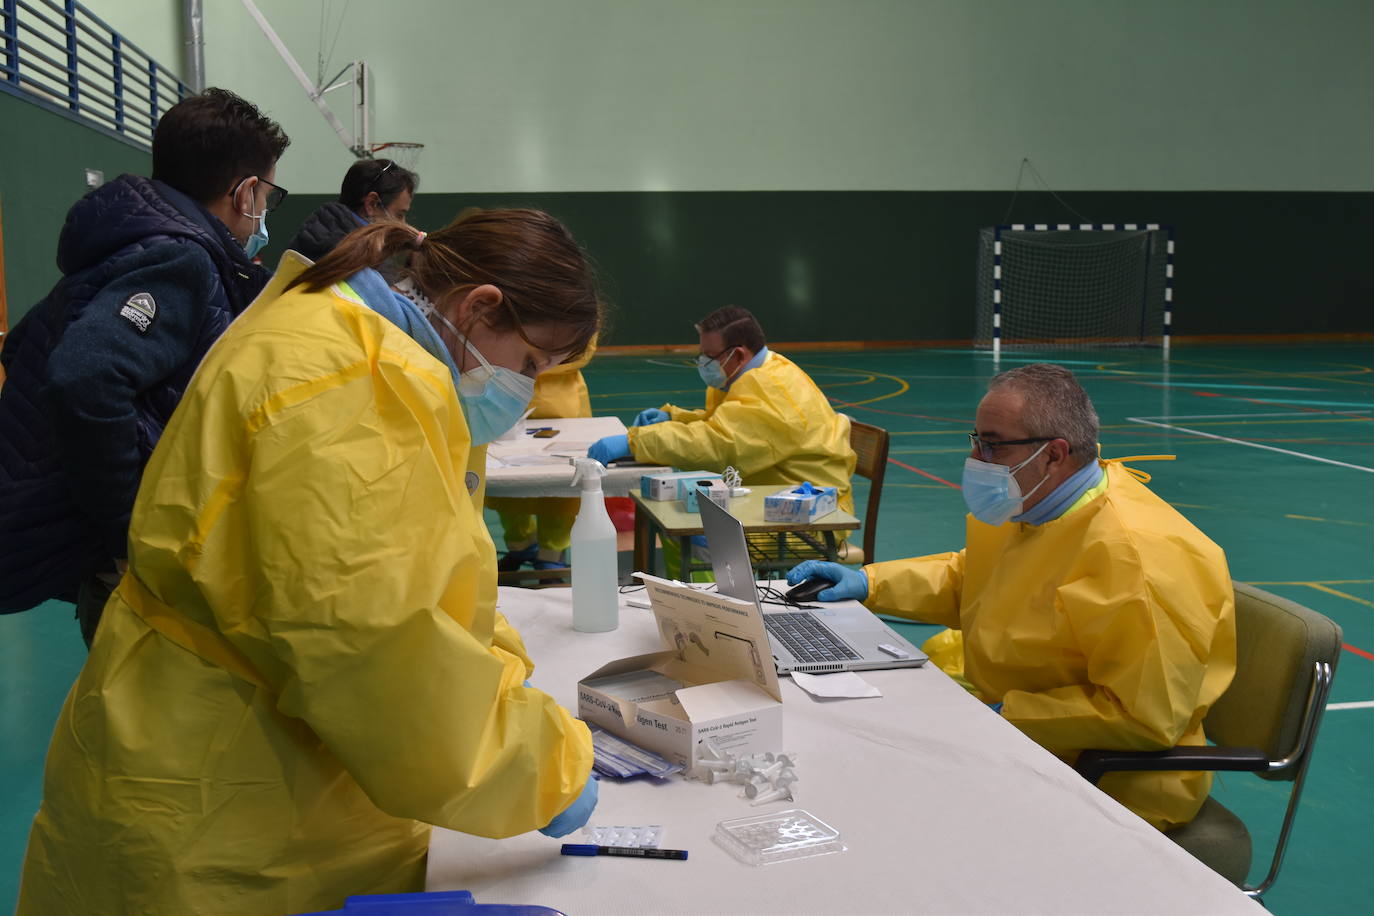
<point x="729" y="552"/>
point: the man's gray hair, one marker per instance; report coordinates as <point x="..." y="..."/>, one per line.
<point x="1055" y="406"/>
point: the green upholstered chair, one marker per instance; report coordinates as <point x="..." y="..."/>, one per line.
<point x="1266" y="723"/>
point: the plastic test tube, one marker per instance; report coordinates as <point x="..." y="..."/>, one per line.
<point x="783" y="792"/>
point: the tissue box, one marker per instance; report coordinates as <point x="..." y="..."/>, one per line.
<point x="715" y="490"/>
<point x="713" y="676"/>
<point x="670" y="485"/>
<point x="793" y="504"/>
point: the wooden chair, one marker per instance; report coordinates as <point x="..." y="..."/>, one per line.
<point x="870" y="444"/>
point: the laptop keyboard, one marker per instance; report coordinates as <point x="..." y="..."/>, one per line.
<point x="807" y="638"/>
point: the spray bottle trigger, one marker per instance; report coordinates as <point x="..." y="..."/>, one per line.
<point x="587" y="473"/>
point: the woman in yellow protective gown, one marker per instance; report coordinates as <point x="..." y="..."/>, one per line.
<point x="304" y="668"/>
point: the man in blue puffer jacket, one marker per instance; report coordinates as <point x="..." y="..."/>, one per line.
<point x="153" y="271"/>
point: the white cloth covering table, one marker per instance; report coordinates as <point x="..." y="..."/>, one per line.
<point x="529" y="467"/>
<point x="942" y="805"/>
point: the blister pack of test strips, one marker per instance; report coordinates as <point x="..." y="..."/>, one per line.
<point x="613" y="756"/>
<point x="644" y="837"/>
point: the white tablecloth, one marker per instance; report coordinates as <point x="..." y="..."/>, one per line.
<point x="529" y="467"/>
<point x="943" y="808"/>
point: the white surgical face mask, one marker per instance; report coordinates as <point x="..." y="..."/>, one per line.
<point x="494" y="397"/>
<point x="991" y="492"/>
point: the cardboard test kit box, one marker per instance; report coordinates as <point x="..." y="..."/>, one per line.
<point x="714" y="678"/>
<point x="673" y="485"/>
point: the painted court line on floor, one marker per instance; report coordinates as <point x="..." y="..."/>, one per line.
<point x="1194" y="384"/>
<point x="1234" y="416"/>
<point x="902" y="464"/>
<point x="1363" y="704"/>
<point x="1268" y="448"/>
<point x="1339" y="594"/>
<point x="1316" y="582"/>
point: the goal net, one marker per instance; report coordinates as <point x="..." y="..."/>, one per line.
<point x="1079" y="285"/>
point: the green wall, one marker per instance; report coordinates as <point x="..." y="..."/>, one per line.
<point x="43" y="162"/>
<point x="893" y="265"/>
<point x="153" y="25"/>
<point x="826" y="163"/>
<point x="821" y="95"/>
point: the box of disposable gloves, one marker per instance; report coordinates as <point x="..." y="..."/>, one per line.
<point x="800" y="505"/>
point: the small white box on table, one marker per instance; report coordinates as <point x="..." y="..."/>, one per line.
<point x="715" y="678"/>
<point x="673" y="485"/>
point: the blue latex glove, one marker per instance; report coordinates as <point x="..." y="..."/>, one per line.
<point x="611" y="448"/>
<point x="650" y="416"/>
<point x="575" y="815"/>
<point x="849" y="583"/>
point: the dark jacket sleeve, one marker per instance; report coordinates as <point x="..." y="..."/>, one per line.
<point x="323" y="229"/>
<point x="109" y="354"/>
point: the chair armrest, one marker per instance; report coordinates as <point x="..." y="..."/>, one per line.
<point x="1092" y="765"/>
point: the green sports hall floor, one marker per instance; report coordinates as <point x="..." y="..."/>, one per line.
<point x="1275" y="449"/>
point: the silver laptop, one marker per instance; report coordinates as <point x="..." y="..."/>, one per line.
<point x="828" y="638"/>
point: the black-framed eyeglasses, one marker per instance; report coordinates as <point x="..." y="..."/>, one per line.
<point x="703" y="358"/>
<point x="275" y="194"/>
<point x="988" y="450"/>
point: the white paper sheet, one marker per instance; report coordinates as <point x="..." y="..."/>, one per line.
<point x="844" y="684"/>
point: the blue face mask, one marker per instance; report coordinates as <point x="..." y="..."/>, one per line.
<point x="711" y="372"/>
<point x="494" y="397"/>
<point x="258" y="240"/>
<point x="991" y="492"/>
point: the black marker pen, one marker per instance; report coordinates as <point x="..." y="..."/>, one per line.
<point x="630" y="852"/>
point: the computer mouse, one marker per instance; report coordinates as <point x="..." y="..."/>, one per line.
<point x="808" y="589"/>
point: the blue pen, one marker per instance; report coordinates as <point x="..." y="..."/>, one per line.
<point x="629" y="852"/>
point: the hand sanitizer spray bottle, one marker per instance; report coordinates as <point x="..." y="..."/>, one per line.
<point x="596" y="598"/>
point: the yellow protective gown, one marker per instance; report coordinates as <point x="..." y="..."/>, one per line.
<point x="1112" y="626"/>
<point x="774" y="426"/>
<point x="304" y="667"/>
<point x="561" y="391"/>
<point x="558" y="392"/>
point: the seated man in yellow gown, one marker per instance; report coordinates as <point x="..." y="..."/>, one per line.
<point x="764" y="417"/>
<point x="538" y="530"/>
<point x="1093" y="614"/>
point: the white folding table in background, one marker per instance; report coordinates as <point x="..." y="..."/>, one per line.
<point x="529" y="467"/>
<point x="943" y="807"/>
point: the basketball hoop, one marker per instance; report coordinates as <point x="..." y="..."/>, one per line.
<point x="406" y="155"/>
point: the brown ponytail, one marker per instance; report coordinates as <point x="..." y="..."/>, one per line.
<point x="542" y="273"/>
<point x="367" y="246"/>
